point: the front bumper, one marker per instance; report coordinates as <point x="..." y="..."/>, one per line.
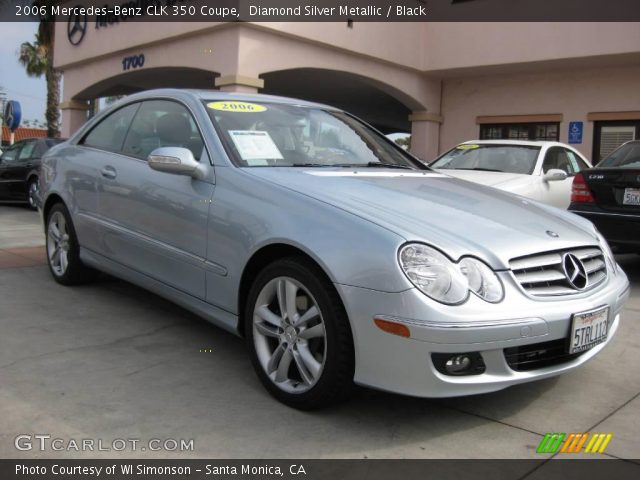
<point x="404" y="365"/>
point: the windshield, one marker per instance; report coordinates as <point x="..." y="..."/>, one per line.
<point x="490" y="158"/>
<point x="279" y="135"/>
<point x="627" y="156"/>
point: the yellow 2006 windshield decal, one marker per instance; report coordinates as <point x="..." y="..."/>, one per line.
<point x="239" y="107"/>
<point x="467" y="147"/>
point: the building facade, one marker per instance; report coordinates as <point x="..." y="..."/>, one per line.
<point x="442" y="82"/>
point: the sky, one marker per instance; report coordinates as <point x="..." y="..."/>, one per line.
<point x="30" y="92"/>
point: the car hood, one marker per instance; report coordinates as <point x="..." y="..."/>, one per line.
<point x="491" y="179"/>
<point x="458" y="217"/>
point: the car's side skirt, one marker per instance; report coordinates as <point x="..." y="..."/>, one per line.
<point x="219" y="317"/>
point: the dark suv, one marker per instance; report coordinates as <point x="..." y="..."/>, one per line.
<point x="20" y="167"/>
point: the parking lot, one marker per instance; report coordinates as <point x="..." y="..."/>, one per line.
<point x="110" y="360"/>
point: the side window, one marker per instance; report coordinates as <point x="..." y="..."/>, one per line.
<point x="557" y="158"/>
<point x="11" y="153"/>
<point x="109" y="133"/>
<point x="27" y="151"/>
<point x="162" y="123"/>
<point x="550" y="160"/>
<point x="577" y="164"/>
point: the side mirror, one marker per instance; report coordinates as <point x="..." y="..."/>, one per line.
<point x="555" y="175"/>
<point x="176" y="160"/>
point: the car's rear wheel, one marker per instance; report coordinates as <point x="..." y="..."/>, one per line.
<point x="32" y="192"/>
<point x="63" y="250"/>
<point x="299" y="336"/>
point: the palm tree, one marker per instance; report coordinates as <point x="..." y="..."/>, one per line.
<point x="37" y="58"/>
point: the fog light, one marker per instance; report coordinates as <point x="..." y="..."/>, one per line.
<point x="458" y="364"/>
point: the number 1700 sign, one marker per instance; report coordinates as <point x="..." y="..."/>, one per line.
<point x="134" y="61"/>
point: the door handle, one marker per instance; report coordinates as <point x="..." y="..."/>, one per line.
<point x="109" y="172"/>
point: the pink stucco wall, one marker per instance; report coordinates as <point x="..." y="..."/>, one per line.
<point x="483" y="68"/>
<point x="568" y="91"/>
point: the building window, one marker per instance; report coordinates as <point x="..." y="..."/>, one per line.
<point x="610" y="135"/>
<point x="548" y="131"/>
<point x="520" y="131"/>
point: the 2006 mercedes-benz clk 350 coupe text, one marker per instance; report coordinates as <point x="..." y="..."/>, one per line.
<point x="337" y="255"/>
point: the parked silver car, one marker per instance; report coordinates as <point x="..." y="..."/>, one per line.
<point x="337" y="255"/>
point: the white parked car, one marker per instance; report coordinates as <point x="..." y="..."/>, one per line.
<point x="539" y="170"/>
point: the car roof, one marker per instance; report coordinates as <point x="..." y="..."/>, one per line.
<point x="524" y="143"/>
<point x="218" y="95"/>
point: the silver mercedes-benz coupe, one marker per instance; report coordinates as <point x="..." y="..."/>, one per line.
<point x="338" y="256"/>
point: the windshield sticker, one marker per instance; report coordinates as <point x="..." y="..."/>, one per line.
<point x="467" y="147"/>
<point x="255" y="146"/>
<point x="238" y="107"/>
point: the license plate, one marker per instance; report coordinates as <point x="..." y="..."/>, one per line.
<point x="588" y="329"/>
<point x="631" y="196"/>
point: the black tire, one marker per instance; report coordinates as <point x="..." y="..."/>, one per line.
<point x="31" y="201"/>
<point x="335" y="382"/>
<point x="76" y="272"/>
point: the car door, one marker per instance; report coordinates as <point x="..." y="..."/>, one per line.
<point x="156" y="222"/>
<point x="85" y="164"/>
<point x="22" y="167"/>
<point x="10" y="171"/>
<point x="558" y="192"/>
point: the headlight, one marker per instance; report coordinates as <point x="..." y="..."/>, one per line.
<point x="445" y="281"/>
<point x="608" y="254"/>
<point x="482" y="280"/>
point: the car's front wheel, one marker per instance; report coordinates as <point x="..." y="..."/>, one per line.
<point x="63" y="250"/>
<point x="299" y="336"/>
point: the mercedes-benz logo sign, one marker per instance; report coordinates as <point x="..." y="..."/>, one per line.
<point x="574" y="271"/>
<point x="12" y="115"/>
<point x="76" y="28"/>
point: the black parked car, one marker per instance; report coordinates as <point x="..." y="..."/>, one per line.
<point x="20" y="167"/>
<point x="609" y="196"/>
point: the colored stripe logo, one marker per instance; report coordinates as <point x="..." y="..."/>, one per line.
<point x="574" y="443"/>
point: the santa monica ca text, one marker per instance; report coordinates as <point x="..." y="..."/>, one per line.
<point x="142" y="469"/>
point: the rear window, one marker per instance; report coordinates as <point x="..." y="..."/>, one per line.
<point x="627" y="156"/>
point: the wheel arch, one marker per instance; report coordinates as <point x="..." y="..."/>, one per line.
<point x="52" y="199"/>
<point x="31" y="175"/>
<point x="264" y="256"/>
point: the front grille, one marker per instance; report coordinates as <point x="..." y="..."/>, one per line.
<point x="543" y="274"/>
<point x="539" y="355"/>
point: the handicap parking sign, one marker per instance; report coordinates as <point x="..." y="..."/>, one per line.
<point x="575" y="132"/>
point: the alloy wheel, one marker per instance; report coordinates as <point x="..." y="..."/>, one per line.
<point x="58" y="244"/>
<point x="289" y="335"/>
<point x="31" y="195"/>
